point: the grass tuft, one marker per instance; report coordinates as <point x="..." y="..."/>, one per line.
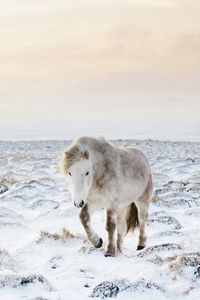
<point x="62" y="237"/>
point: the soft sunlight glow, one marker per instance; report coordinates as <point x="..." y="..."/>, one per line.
<point x="115" y="68"/>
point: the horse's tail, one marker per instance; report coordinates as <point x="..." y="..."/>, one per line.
<point x="132" y="217"/>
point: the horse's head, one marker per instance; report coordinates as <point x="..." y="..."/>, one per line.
<point x="78" y="168"/>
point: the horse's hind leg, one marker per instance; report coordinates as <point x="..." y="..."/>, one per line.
<point x="142" y="205"/>
<point x="142" y="218"/>
<point x="121" y="228"/>
<point x="84" y="216"/>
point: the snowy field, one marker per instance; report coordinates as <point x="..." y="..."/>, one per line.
<point x="40" y="259"/>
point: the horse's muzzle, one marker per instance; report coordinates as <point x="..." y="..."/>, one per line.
<point x="81" y="204"/>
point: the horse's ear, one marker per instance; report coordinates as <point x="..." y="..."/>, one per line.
<point x="85" y="154"/>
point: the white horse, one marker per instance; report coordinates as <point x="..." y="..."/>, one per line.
<point x="118" y="179"/>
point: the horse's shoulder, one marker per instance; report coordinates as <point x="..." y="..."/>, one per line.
<point x="131" y="153"/>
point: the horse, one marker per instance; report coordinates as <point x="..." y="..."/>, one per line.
<point x="118" y="179"/>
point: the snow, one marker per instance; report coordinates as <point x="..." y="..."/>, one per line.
<point x="43" y="252"/>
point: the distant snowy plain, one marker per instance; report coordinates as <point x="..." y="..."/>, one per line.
<point x="41" y="260"/>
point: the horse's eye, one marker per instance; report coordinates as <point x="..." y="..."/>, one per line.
<point x="87" y="173"/>
<point x="69" y="174"/>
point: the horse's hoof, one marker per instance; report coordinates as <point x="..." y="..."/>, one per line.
<point x="109" y="254"/>
<point x="100" y="243"/>
<point x="140" y="247"/>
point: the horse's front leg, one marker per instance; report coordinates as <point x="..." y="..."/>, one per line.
<point x="85" y="218"/>
<point x="111" y="226"/>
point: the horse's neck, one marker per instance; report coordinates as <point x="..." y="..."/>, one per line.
<point x="98" y="163"/>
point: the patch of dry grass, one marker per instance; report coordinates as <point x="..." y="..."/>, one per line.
<point x="8" y="180"/>
<point x="60" y="237"/>
<point x="157" y="200"/>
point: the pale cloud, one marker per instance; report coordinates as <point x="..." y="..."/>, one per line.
<point x="74" y="55"/>
<point x="92" y="36"/>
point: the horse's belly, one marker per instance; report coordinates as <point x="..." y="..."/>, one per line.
<point x="118" y="196"/>
<point x="129" y="193"/>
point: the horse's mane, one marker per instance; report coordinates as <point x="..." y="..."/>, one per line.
<point x="72" y="155"/>
<point x="75" y="152"/>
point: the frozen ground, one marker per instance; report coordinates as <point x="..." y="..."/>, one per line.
<point x="39" y="259"/>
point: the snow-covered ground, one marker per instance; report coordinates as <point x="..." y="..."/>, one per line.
<point x="40" y="259"/>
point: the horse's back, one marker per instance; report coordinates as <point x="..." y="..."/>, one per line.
<point x="135" y="158"/>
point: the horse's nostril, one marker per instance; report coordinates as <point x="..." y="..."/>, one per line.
<point x="80" y="204"/>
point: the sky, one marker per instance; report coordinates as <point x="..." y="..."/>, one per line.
<point x="119" y="69"/>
